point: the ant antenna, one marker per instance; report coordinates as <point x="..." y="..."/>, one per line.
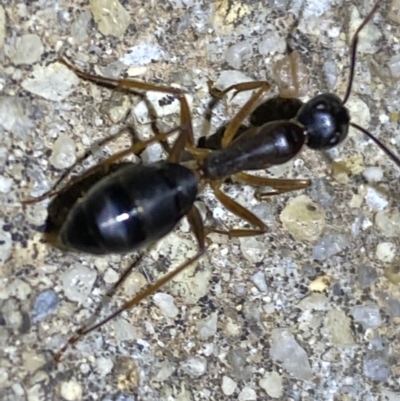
<point x="354" y="45"/>
<point x="353" y="57"/>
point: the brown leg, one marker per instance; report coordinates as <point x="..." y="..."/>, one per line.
<point x="136" y="148"/>
<point x="218" y="94"/>
<point x="198" y="229"/>
<point x="127" y="84"/>
<point x="280" y="186"/>
<point x="238" y="88"/>
<point x="86" y="155"/>
<point x="239" y="211"/>
<point x="244" y="112"/>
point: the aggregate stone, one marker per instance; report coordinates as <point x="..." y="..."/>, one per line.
<point x="293" y="358"/>
<point x="78" y="282"/>
<point x="111" y="17"/>
<point x="28" y="49"/>
<point x="45" y="304"/>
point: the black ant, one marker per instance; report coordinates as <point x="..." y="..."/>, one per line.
<point x="126" y="207"/>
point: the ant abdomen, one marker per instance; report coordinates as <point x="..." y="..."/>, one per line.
<point x="129" y="209"/>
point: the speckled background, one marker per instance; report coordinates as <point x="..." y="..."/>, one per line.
<point x="284" y="316"/>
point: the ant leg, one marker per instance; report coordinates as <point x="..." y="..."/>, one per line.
<point x="110" y="293"/>
<point x="130" y="84"/>
<point x="238" y="88"/>
<point x="86" y="155"/>
<point x="134" y="149"/>
<point x="279" y="185"/>
<point x="239" y="211"/>
<point x="244" y="112"/>
<point x="198" y="229"/>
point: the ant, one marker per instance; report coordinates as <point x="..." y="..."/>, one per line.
<point x="118" y="208"/>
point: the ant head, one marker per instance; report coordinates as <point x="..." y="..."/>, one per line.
<point x="326" y="121"/>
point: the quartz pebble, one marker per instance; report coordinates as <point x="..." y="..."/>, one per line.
<point x="63" y="153"/>
<point x="78" y="282"/>
<point x="259" y="280"/>
<point x="228" y="385"/>
<point x="388" y="222"/>
<point x="272" y="383"/>
<point x="208" y="326"/>
<point x="5" y="184"/>
<point x="71" y="390"/>
<point x="368" y="315"/>
<point x="79" y="27"/>
<point x="14" y="116"/>
<point x="52" y="82"/>
<point x="110" y="16"/>
<point x="104" y="366"/>
<point x="166" y="304"/>
<point x="195" y="366"/>
<point x="293" y="358"/>
<point x="271" y="43"/>
<point x="45" y="304"/>
<point x="239" y="52"/>
<point x="142" y="54"/>
<point x="124" y="331"/>
<point x="237" y="361"/>
<point x="367" y="275"/>
<point x="28" y="49"/>
<point x="111" y="276"/>
<point x="247" y="394"/>
<point x="133" y="283"/>
<point x="303" y="218"/>
<point x="252" y="249"/>
<point x="386" y="251"/>
<point x="329" y="245"/>
<point x="338" y="325"/>
<point x="164" y="370"/>
<point x="373" y="174"/>
<point x="376" y="365"/>
<point x="375" y="200"/>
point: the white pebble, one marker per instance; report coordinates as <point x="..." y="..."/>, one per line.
<point x="71" y="391"/>
<point x="54" y="82"/>
<point x="208" y="326"/>
<point x="386" y="251"/>
<point x="78" y="282"/>
<point x="259" y="280"/>
<point x="5" y="184"/>
<point x="111" y="276"/>
<point x="239" y="52"/>
<point x="375" y="200"/>
<point x="195" y="366"/>
<point x="64" y="153"/>
<point x="228" y="385"/>
<point x="142" y="54"/>
<point x="104" y="366"/>
<point x="384" y="119"/>
<point x="166" y="304"/>
<point x="247" y="394"/>
<point x="272" y="384"/>
<point x="373" y="174"/>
